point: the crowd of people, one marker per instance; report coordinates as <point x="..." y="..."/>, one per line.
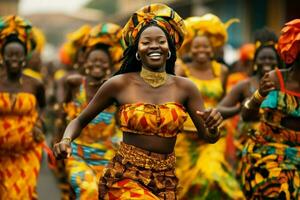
<point x="151" y="110"/>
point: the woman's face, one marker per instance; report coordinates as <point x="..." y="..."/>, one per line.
<point x="14" y="57"/>
<point x="266" y="60"/>
<point x="153" y="48"/>
<point x="201" y="49"/>
<point x="98" y="64"/>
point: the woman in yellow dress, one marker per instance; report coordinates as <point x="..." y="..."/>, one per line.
<point x="202" y="168"/>
<point x="21" y="98"/>
<point x="152" y="106"/>
<point x="94" y="148"/>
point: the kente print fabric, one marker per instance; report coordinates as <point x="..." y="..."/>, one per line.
<point x="91" y="151"/>
<point x="108" y="34"/>
<point x="15" y="25"/>
<point x="165" y="120"/>
<point x="160" y="15"/>
<point x="271" y="159"/>
<point x="20" y="154"/>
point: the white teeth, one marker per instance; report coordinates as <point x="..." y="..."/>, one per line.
<point x="154" y="54"/>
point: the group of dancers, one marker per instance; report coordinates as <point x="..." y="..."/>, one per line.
<point x="152" y="111"/>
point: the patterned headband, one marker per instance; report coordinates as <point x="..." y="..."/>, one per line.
<point x="108" y="34"/>
<point x="15" y="25"/>
<point x="159" y="14"/>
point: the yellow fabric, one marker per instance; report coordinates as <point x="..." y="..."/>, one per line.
<point x="209" y="25"/>
<point x="20" y="155"/>
<point x="33" y="74"/>
<point x="165" y="120"/>
<point x="211" y="90"/>
<point x="109" y="34"/>
<point x="59" y="74"/>
<point x="15" y="25"/>
<point x="39" y="38"/>
<point x="159" y="14"/>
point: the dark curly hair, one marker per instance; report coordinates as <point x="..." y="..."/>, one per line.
<point x="131" y="64"/>
<point x="268" y="39"/>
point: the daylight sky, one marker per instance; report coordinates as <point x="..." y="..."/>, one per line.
<point x="38" y="6"/>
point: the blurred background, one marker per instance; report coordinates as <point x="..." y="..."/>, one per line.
<point x="56" y="17"/>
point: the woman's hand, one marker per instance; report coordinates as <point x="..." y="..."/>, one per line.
<point x="266" y="85"/>
<point x="211" y="117"/>
<point x="62" y="149"/>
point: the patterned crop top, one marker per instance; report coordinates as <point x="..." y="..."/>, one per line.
<point x="165" y="120"/>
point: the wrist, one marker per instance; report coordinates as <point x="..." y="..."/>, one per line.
<point x="66" y="140"/>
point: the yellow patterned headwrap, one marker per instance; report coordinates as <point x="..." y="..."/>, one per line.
<point x="108" y="34"/>
<point x="15" y="25"/>
<point x="39" y="38"/>
<point x="159" y="14"/>
<point x="209" y="25"/>
<point x="75" y="41"/>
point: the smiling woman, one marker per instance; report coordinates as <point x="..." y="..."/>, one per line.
<point x="143" y="167"/>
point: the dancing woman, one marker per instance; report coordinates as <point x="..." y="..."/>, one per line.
<point x="21" y="99"/>
<point x="152" y="105"/>
<point x="271" y="158"/>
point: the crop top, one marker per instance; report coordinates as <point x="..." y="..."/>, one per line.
<point x="165" y="120"/>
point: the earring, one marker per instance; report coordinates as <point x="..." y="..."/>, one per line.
<point x="87" y="71"/>
<point x="169" y="55"/>
<point x="255" y="67"/>
<point x="137" y="56"/>
<point x="23" y="64"/>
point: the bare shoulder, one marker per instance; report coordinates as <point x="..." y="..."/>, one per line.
<point x="120" y="81"/>
<point x="74" y="79"/>
<point x="224" y="69"/>
<point x="274" y="76"/>
<point x="32" y="81"/>
<point x="184" y="83"/>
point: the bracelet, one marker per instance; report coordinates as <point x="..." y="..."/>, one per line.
<point x="257" y="96"/>
<point x="246" y="104"/>
<point x="66" y="140"/>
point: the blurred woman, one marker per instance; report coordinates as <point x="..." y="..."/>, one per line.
<point x="202" y="169"/>
<point x="143" y="167"/>
<point x="271" y="158"/>
<point x="94" y="148"/>
<point x="265" y="60"/>
<point x="21" y="100"/>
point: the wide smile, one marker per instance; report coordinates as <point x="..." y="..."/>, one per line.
<point x="155" y="55"/>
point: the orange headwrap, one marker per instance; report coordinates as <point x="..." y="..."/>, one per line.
<point x="15" y="25"/>
<point x="108" y="34"/>
<point x="159" y="14"/>
<point x="75" y="40"/>
<point x="289" y="41"/>
<point x="247" y="51"/>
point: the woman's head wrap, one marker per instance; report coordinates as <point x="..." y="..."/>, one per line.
<point x="75" y="41"/>
<point x="247" y="51"/>
<point x="160" y="15"/>
<point x="209" y="25"/>
<point x="39" y="38"/>
<point x="108" y="34"/>
<point x="13" y="25"/>
<point x="289" y="41"/>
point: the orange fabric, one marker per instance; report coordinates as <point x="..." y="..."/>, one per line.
<point x="164" y="120"/>
<point x="247" y="52"/>
<point x="129" y="189"/>
<point x="234" y="78"/>
<point x="289" y="41"/>
<point x="282" y="88"/>
<point x="20" y="155"/>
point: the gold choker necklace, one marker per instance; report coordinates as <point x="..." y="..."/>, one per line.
<point x="154" y="79"/>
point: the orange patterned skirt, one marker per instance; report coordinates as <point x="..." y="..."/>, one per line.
<point x="135" y="173"/>
<point x="19" y="174"/>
